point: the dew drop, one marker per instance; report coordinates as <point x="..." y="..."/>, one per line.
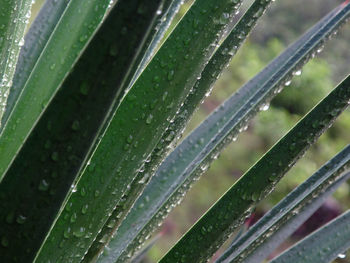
<point x="21" y="219"/>
<point x="297" y="73"/>
<point x="149" y="119"/>
<point x="43" y="186"/>
<point x="341" y="255"/>
<point x="287" y="83"/>
<point x="4" y="242"/>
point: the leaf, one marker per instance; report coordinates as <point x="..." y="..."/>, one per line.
<point x="202" y="240"/>
<point x="322" y="246"/>
<point x="14" y="17"/>
<point x="284" y="218"/>
<point x="34" y="43"/>
<point x="142" y="254"/>
<point x="176" y="174"/>
<point x="79" y="111"/>
<point x="169" y="10"/>
<point x="136" y="127"/>
<point x="201" y="89"/>
<point x="69" y="38"/>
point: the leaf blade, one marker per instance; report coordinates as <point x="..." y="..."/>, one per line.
<point x="147" y="122"/>
<point x="51" y="12"/>
<point x="324" y="245"/>
<point x="232" y="208"/>
<point x="284" y="218"/>
<point x="79" y="111"/>
<point x="13" y="19"/>
<point x="70" y="37"/>
<point x="153" y="205"/>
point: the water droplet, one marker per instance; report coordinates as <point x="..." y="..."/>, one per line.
<point x="66" y="233"/>
<point x="73" y="218"/>
<point x="149" y="119"/>
<point x="341" y="255"/>
<point x="4" y="242"/>
<point x="75" y="125"/>
<point x="54" y="156"/>
<point x="171" y="74"/>
<point x="43" y="186"/>
<point x="297" y="73"/>
<point x="21" y="219"/>
<point x="84" y="209"/>
<point x="264" y="107"/>
<point x="287" y="83"/>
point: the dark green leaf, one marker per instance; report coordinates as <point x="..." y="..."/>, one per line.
<point x="137" y="125"/>
<point x="79" y="111"/>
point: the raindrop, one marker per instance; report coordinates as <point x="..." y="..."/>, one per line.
<point x="297" y="73"/>
<point x="341" y="255"/>
<point x="287" y="83"/>
<point x="79" y="232"/>
<point x="43" y="186"/>
<point x="264" y="107"/>
<point x="21" y="219"/>
<point x="4" y="242"/>
<point x="149" y="119"/>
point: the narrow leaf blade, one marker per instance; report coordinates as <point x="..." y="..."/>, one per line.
<point x="137" y="125"/>
<point x="14" y="17"/>
<point x="323" y="245"/>
<point x="283" y="219"/>
<point x="234" y="206"/>
<point x="79" y="110"/>
<point x="173" y="178"/>
<point x="69" y="38"/>
<point x="34" y="42"/>
<point x="201" y="88"/>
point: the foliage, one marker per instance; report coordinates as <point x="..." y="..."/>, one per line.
<point x="98" y="100"/>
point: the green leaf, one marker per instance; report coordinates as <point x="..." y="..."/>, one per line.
<point x="283" y="219"/>
<point x="170" y="8"/>
<point x="168" y="12"/>
<point x="34" y="42"/>
<point x="69" y="38"/>
<point x="142" y="254"/>
<point x="202" y="240"/>
<point x="201" y="88"/>
<point x="79" y="110"/>
<point x="176" y="174"/>
<point x="322" y="246"/>
<point x="14" y="17"/>
<point x="137" y="125"/>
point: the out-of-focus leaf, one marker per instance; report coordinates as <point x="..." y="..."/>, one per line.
<point x="322" y="246"/>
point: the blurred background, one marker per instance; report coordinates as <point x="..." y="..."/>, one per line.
<point x="284" y="22"/>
